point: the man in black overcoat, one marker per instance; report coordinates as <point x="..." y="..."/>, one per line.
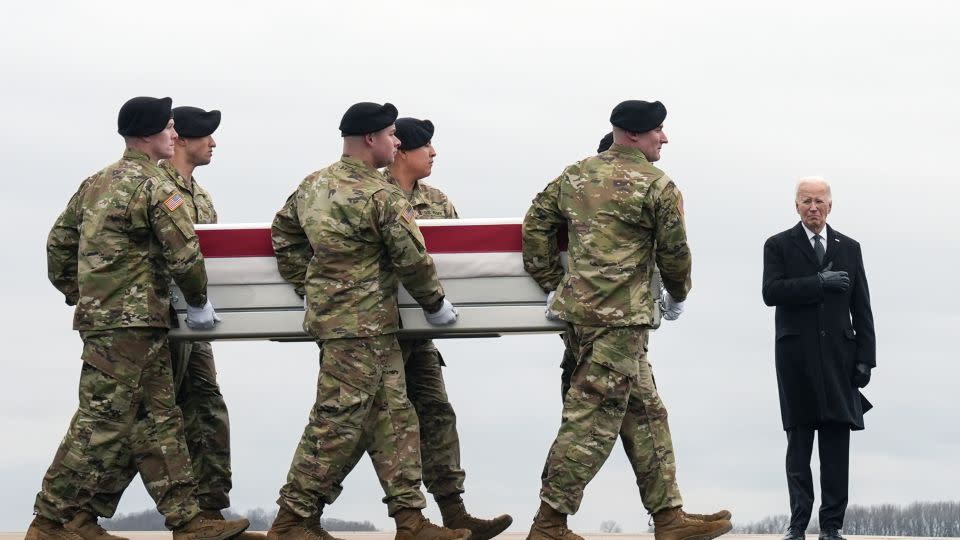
<point x="825" y="350"/>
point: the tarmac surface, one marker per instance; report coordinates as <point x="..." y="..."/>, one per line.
<point x="388" y="535"/>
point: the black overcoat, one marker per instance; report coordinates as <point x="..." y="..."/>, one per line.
<point x="820" y="335"/>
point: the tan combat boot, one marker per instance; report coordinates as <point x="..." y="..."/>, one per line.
<point x="290" y="526"/>
<point x="716" y="516"/>
<point x="217" y="515"/>
<point x="411" y="525"/>
<point x="455" y="516"/>
<point x="42" y="528"/>
<point x="674" y="524"/>
<point x="549" y="524"/>
<point x="86" y="526"/>
<point x="201" y="528"/>
<point x="285" y="522"/>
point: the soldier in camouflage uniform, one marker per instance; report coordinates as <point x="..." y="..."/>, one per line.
<point x="622" y="214"/>
<point x="206" y="421"/>
<point x="569" y="363"/>
<point x="195" y="375"/>
<point x="112" y="253"/>
<point x="439" y="442"/>
<point x="346" y="239"/>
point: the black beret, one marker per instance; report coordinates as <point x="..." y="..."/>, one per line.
<point x="413" y="133"/>
<point x="366" y="117"/>
<point x="143" y="116"/>
<point x="638" y="116"/>
<point x="605" y="142"/>
<point x="195" y="122"/>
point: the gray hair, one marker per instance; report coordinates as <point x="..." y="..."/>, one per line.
<point x="812" y="180"/>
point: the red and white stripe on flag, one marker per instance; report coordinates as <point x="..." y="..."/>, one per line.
<point x="461" y="248"/>
<point x="440" y="235"/>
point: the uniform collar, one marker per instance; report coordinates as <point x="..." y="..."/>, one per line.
<point x="356" y="163"/>
<point x="177" y="177"/>
<point x="415" y="197"/>
<point x="388" y="178"/>
<point x="627" y="152"/>
<point x="137" y="155"/>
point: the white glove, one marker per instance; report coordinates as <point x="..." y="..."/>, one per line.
<point x="446" y="315"/>
<point x="670" y="308"/>
<point x="202" y="318"/>
<point x="546" y="312"/>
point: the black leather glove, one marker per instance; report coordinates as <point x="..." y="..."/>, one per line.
<point x="861" y="375"/>
<point x="834" y="281"/>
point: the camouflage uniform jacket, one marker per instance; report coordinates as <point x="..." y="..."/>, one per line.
<point x="346" y="239"/>
<point x="197" y="200"/>
<point x="428" y="201"/>
<point x="622" y="214"/>
<point x="115" y="247"/>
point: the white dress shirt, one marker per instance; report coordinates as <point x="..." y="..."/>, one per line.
<point x="811" y="234"/>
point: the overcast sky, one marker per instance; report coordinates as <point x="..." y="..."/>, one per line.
<point x="758" y="94"/>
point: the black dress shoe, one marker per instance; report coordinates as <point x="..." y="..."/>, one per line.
<point x="831" y="534"/>
<point x="793" y="534"/>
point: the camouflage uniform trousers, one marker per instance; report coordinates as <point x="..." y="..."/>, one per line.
<point x="439" y="441"/>
<point x="567" y="365"/>
<point x="361" y="405"/>
<point x="207" y="428"/>
<point x="132" y="382"/>
<point x="612" y="393"/>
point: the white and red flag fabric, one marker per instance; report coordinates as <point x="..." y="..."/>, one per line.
<point x="479" y="262"/>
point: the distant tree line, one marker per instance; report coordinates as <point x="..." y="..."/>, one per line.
<point x="260" y="520"/>
<point x="918" y="519"/>
<point x="610" y="526"/>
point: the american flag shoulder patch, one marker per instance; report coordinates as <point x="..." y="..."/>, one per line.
<point x="173" y="202"/>
<point x="408" y="214"/>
